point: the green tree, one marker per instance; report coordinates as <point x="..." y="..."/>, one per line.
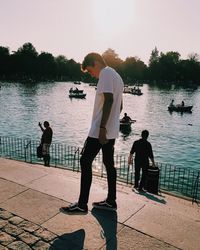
<point x="194" y="57"/>
<point x="133" y="69"/>
<point x="26" y="58"/>
<point x="61" y="65"/>
<point x="73" y="70"/>
<point x="46" y="65"/>
<point x="26" y="63"/>
<point x="112" y="59"/>
<point x="169" y="66"/>
<point x="154" y="58"/>
<point x="4" y="61"/>
<point x="28" y="50"/>
<point x="153" y="71"/>
<point x="190" y="70"/>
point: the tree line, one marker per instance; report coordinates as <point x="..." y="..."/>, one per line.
<point x="26" y="64"/>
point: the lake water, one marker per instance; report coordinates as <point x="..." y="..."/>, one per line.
<point x="174" y="137"/>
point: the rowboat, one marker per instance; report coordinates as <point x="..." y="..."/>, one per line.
<point x="180" y="108"/>
<point x="132" y="90"/>
<point x="126" y="125"/>
<point x="77" y="95"/>
<point x="76" y="90"/>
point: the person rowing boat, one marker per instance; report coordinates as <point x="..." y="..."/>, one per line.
<point x="126" y="119"/>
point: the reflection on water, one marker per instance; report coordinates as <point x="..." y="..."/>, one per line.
<point x="174" y="137"/>
<point x="126" y="131"/>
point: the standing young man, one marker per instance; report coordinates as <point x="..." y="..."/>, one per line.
<point x="46" y="142"/>
<point x="103" y="132"/>
<point x="143" y="152"/>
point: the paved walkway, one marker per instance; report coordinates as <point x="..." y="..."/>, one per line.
<point x="31" y="195"/>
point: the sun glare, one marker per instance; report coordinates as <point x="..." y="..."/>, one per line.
<point x="112" y="16"/>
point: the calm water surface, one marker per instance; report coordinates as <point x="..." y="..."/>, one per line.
<point x="174" y="137"/>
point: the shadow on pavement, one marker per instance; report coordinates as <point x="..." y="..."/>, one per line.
<point x="153" y="197"/>
<point x="108" y="222"/>
<point x="68" y="241"/>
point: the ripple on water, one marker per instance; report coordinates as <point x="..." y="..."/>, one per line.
<point x="173" y="140"/>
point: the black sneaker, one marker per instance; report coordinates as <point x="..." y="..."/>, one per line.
<point x="74" y="209"/>
<point x="142" y="189"/>
<point x="135" y="189"/>
<point x="105" y="205"/>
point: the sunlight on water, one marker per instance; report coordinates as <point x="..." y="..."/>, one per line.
<point x="174" y="137"/>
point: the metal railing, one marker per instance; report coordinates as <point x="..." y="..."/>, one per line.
<point x="177" y="180"/>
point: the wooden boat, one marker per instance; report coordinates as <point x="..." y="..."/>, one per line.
<point x="132" y="90"/>
<point x="126" y="125"/>
<point x="93" y="84"/>
<point x="180" y="108"/>
<point x="76" y="90"/>
<point x="136" y="91"/>
<point x="77" y="95"/>
<point x="127" y="89"/>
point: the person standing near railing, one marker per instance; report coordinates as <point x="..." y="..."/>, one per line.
<point x="143" y="152"/>
<point x="103" y="132"/>
<point x="46" y="140"/>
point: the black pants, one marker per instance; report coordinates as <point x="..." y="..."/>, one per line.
<point x="46" y="159"/>
<point x="89" y="152"/>
<point x="138" y="168"/>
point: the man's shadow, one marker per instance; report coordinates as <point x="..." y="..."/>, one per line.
<point x="108" y="222"/>
<point x="154" y="197"/>
<point x="69" y="241"/>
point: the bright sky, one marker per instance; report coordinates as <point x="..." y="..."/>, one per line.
<point x="76" y="27"/>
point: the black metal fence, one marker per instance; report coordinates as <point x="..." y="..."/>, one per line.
<point x="177" y="180"/>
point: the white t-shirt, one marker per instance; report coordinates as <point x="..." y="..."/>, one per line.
<point x="109" y="82"/>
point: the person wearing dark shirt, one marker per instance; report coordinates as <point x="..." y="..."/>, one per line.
<point x="172" y="103"/>
<point x="126" y="118"/>
<point x="143" y="152"/>
<point x="46" y="141"/>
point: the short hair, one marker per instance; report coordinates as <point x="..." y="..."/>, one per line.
<point x="90" y="59"/>
<point x="145" y="134"/>
<point x="46" y="124"/>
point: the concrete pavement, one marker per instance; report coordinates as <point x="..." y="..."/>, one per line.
<point x="31" y="196"/>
